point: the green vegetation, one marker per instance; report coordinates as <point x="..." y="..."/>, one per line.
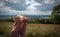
<point x="32" y="21"/>
<point x="5" y="29"/>
<point x="41" y="21"/>
<point x="55" y="15"/>
<point x="6" y="20"/>
<point x="32" y="30"/>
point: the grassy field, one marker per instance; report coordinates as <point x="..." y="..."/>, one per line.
<point x="32" y="30"/>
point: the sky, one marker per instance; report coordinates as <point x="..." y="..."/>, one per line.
<point x="27" y="7"/>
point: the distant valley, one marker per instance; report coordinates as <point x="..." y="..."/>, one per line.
<point x="29" y="16"/>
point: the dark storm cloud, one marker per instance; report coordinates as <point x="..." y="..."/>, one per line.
<point x="16" y="6"/>
<point x="47" y="5"/>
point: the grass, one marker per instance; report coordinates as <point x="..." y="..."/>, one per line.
<point x="32" y="30"/>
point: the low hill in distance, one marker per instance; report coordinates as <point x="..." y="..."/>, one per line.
<point x="29" y="16"/>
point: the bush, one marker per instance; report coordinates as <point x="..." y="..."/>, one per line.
<point x="41" y="21"/>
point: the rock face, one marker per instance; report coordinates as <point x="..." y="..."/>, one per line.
<point x="19" y="26"/>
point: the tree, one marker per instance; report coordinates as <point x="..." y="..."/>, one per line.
<point x="55" y="15"/>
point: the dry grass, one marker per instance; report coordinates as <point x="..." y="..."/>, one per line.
<point x="32" y="30"/>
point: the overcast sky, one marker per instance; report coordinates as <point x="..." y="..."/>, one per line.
<point x="27" y="7"/>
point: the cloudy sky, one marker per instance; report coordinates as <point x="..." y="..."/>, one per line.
<point x="27" y="7"/>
